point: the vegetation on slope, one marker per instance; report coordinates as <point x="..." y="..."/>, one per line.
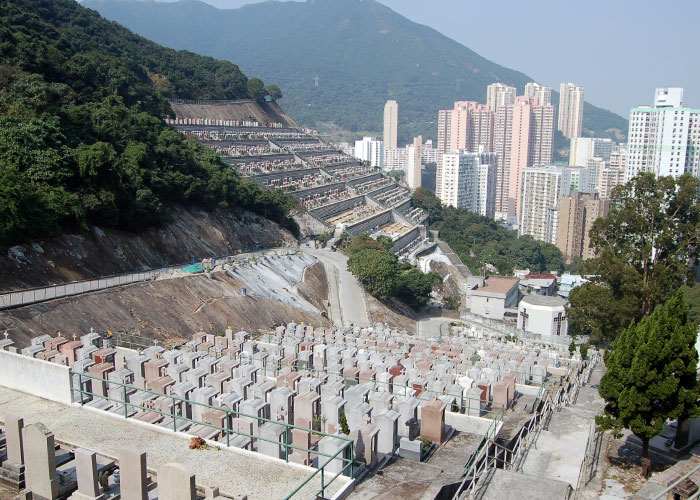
<point x="480" y="241"/>
<point x="377" y="268"/>
<point x="81" y="139"/>
<point x="349" y="45"/>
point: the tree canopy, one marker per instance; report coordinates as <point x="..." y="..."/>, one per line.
<point x="652" y="373"/>
<point x="380" y="272"/>
<point x="82" y="141"/>
<point x="480" y="241"/>
<point x="646" y="245"/>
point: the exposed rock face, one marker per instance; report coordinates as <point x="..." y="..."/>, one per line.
<point x="192" y="234"/>
<point x="171" y="309"/>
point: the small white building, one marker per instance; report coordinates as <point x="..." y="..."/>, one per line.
<point x="544" y="315"/>
<point x="496" y="298"/>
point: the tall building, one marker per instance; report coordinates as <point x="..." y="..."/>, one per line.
<point x="413" y="164"/>
<point x="391" y="124"/>
<point x="542" y="92"/>
<point x="570" y="121"/>
<point x="574" y="179"/>
<point x="540" y="195"/>
<point x="523" y="137"/>
<point x="429" y="154"/>
<point x="472" y="127"/>
<point x="576" y="215"/>
<point x="664" y="138"/>
<point x="499" y="94"/>
<point x="593" y="208"/>
<point x="444" y="134"/>
<point x="371" y="150"/>
<point x="395" y="159"/>
<point x="608" y="179"/>
<point x="467" y="180"/>
<point x="582" y="149"/>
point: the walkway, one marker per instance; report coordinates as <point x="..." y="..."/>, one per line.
<point x="560" y="450"/>
<point x="353" y="303"/>
<point x="234" y="472"/>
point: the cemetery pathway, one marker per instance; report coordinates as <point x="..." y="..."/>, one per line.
<point x="235" y="473"/>
<point x="353" y="303"/>
<point x="559" y="451"/>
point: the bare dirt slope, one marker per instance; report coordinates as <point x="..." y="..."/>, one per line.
<point x="192" y="234"/>
<point x="164" y="309"/>
<point x="394" y="314"/>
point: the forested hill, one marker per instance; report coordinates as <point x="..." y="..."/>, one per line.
<point x="81" y="136"/>
<point x="362" y="52"/>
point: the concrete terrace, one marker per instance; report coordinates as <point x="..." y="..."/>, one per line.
<point x="235" y="472"/>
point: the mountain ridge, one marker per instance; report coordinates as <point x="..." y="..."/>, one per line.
<point x="362" y="51"/>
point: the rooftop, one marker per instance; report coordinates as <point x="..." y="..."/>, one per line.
<point x="496" y="284"/>
<point x="543" y="300"/>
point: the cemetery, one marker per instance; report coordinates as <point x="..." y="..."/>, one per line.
<point x="295" y="180"/>
<point x="342" y="401"/>
<point x="246" y="167"/>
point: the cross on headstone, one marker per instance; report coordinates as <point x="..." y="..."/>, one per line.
<point x="92" y="330"/>
<point x="75" y="337"/>
<point x="524" y="315"/>
<point x="6" y="335"/>
<point x="558" y="320"/>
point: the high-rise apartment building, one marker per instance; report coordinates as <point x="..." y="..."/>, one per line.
<point x="391" y="124"/>
<point x="594" y="207"/>
<point x="444" y="134"/>
<point x="540" y="195"/>
<point x="413" y="164"/>
<point x="664" y="138"/>
<point x="371" y="150"/>
<point x="523" y="137"/>
<point x="499" y="94"/>
<point x="582" y="149"/>
<point x="395" y="159"/>
<point x="542" y="92"/>
<point x="472" y="127"/>
<point x="429" y="154"/>
<point x="574" y="179"/>
<point x="570" y="121"/>
<point x="467" y="180"/>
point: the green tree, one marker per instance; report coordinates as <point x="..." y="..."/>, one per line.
<point x="646" y="246"/>
<point x="274" y="92"/>
<point x="572" y="347"/>
<point x="256" y="89"/>
<point x="344" y="428"/>
<point x="652" y="373"/>
<point x="377" y="270"/>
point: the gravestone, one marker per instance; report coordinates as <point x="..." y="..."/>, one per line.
<point x="175" y="482"/>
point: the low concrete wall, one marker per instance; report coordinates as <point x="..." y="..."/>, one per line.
<point x="35" y="376"/>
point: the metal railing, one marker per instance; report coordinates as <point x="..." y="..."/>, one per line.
<point x="16" y="298"/>
<point x="662" y="494"/>
<point x="178" y="406"/>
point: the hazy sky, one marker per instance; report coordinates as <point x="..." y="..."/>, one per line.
<point x="619" y="50"/>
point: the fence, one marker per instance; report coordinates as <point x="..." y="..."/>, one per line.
<point x="178" y="406"/>
<point x="35" y="295"/>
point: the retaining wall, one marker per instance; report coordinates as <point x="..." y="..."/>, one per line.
<point x="36" y="377"/>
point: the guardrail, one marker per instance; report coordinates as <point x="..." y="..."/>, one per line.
<point x="177" y="404"/>
<point x="17" y="298"/>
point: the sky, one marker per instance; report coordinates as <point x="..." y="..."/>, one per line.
<point x="618" y="50"/>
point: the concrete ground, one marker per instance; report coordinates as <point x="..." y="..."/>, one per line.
<point x="404" y="479"/>
<point x="344" y="289"/>
<point x="559" y="452"/>
<point x="431" y="327"/>
<point x="234" y="472"/>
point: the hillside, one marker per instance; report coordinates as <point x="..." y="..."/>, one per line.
<point x="362" y="52"/>
<point x="82" y="141"/>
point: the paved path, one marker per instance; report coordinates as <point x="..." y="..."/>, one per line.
<point x="353" y="303"/>
<point x="234" y="472"/>
<point x="560" y="450"/>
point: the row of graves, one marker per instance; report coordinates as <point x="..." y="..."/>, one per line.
<point x="336" y="189"/>
<point x="37" y="466"/>
<point x="301" y="393"/>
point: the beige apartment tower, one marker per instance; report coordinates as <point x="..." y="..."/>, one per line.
<point x="391" y="124"/>
<point x="570" y="121"/>
<point x="499" y="94"/>
<point x="542" y="92"/>
<point x="576" y="216"/>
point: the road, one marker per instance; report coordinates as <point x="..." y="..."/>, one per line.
<point x="348" y="303"/>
